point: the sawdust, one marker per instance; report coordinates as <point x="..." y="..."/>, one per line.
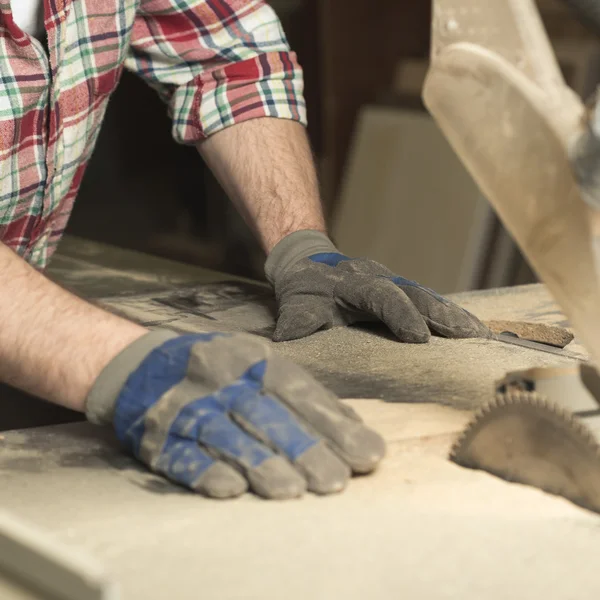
<point x="371" y="364"/>
<point x="364" y="362"/>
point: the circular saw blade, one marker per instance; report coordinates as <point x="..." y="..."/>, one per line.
<point x="522" y="437"/>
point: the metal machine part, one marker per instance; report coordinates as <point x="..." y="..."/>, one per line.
<point x="584" y="153"/>
<point x="509" y="338"/>
<point x="574" y="388"/>
<point x="524" y="438"/>
<point x="535" y="336"/>
<point x="541" y="430"/>
<point x="495" y="89"/>
<point x="551" y="335"/>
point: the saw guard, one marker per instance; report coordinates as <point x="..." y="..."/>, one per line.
<point x="511" y="29"/>
<point x="510" y="119"/>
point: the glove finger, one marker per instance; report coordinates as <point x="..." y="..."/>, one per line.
<point x="255" y="378"/>
<point x="380" y="297"/>
<point x="205" y="420"/>
<point x="185" y="463"/>
<point x="349" y="411"/>
<point x="268" y="474"/>
<point x="300" y="319"/>
<point x="441" y="315"/>
<point x="358" y="446"/>
<point x="268" y="420"/>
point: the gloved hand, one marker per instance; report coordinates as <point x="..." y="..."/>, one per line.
<point x="317" y="287"/>
<point x="221" y="413"/>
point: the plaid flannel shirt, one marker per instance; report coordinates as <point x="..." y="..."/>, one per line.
<point x="214" y="62"/>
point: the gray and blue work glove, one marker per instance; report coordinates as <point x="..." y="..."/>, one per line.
<point x="317" y="287"/>
<point x="221" y="413"/>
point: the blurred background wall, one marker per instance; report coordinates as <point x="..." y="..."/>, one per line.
<point x="392" y="188"/>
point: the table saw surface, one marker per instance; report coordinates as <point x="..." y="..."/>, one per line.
<point x="420" y="527"/>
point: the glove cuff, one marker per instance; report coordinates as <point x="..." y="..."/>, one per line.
<point x="293" y="248"/>
<point x="100" y="403"/>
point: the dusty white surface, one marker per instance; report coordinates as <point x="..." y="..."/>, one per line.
<point x="421" y="528"/>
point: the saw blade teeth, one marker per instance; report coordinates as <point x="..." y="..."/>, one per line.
<point x="528" y="399"/>
<point x="523" y="437"/>
<point x="501" y="400"/>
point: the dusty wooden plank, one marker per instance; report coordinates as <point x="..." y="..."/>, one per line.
<point x="35" y="566"/>
<point x="420" y="528"/>
<point x="366" y="362"/>
<point x="363" y="362"/>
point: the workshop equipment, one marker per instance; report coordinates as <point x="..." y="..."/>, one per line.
<point x="542" y="430"/>
<point x="496" y="91"/>
<point x="558" y="337"/>
<point x="510" y="338"/>
<point x="535" y="336"/>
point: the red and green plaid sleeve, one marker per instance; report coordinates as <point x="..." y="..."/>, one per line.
<point x="216" y="63"/>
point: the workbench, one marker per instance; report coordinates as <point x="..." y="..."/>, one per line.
<point x="420" y="528"/>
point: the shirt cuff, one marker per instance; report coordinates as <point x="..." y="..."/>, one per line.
<point x="267" y="85"/>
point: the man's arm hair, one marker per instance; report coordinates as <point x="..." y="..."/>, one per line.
<point x="53" y="344"/>
<point x="266" y="167"/>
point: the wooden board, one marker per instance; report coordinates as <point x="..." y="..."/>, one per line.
<point x="354" y="362"/>
<point x="363" y="362"/>
<point x="420" y="528"/>
<point x="366" y="362"/>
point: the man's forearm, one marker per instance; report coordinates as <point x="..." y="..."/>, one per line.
<point x="53" y="344"/>
<point x="267" y="169"/>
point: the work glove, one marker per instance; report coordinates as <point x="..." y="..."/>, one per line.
<point x="221" y="413"/>
<point x="317" y="287"/>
